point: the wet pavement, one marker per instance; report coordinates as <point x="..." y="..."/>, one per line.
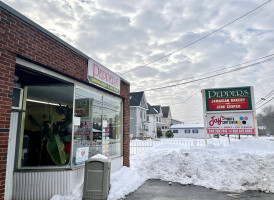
<point x="161" y="190"/>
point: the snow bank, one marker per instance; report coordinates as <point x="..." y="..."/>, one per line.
<point x="244" y="165"/>
<point x="76" y="194"/>
<point x="124" y="182"/>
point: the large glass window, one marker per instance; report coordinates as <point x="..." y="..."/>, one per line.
<point x="46" y="126"/>
<point x="46" y="134"/>
<point x="97" y="126"/>
<point x="87" y="125"/>
<point x="112" y="126"/>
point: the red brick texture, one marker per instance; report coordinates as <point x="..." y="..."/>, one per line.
<point x="125" y="89"/>
<point x="17" y="38"/>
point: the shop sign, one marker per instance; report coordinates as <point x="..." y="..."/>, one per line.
<point x="103" y="77"/>
<point x="81" y="155"/>
<point x="228" y="99"/>
<point x="82" y="107"/>
<point x="230" y="123"/>
<point x="85" y="128"/>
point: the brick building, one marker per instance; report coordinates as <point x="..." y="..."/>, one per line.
<point x="57" y="108"/>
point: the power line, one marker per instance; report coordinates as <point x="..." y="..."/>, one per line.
<point x="264" y="98"/>
<point x="233" y="70"/>
<point x="184" y="100"/>
<point x="266" y="102"/>
<point x="222" y="27"/>
<point x="223" y="68"/>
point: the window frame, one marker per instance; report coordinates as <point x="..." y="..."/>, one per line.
<point x="187" y="131"/>
<point x="195" y="131"/>
<point x="47" y="72"/>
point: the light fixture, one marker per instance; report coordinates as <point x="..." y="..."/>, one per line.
<point x="43" y="102"/>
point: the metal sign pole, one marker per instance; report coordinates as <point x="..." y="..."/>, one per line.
<point x="256" y="126"/>
<point x="254" y="113"/>
<point x="204" y="115"/>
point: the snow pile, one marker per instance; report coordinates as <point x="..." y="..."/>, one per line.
<point x="124" y="182"/>
<point x="100" y="156"/>
<point x="76" y="194"/>
<point x="244" y="165"/>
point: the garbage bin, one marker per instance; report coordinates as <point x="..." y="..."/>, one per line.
<point x="96" y="179"/>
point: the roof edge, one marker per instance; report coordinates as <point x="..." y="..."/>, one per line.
<point x="124" y="80"/>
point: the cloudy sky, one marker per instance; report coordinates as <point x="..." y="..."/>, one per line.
<point x="123" y="35"/>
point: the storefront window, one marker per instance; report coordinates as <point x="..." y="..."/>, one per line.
<point x="87" y="125"/>
<point x="112" y="126"/>
<point x="46" y="126"/>
<point x="97" y="126"/>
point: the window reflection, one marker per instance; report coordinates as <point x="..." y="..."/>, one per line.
<point x="87" y="125"/>
<point x="46" y="126"/>
<point x="112" y="127"/>
<point x="97" y="126"/>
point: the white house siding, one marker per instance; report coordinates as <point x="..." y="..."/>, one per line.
<point x="152" y="126"/>
<point x="136" y="121"/>
<point x="181" y="133"/>
<point x="133" y="127"/>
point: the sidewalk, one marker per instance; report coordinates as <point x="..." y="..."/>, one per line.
<point x="161" y="190"/>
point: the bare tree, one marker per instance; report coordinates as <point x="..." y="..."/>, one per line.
<point x="266" y="120"/>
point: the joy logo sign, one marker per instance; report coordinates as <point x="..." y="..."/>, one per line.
<point x="216" y="120"/>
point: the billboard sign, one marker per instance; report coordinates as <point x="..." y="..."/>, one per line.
<point x="103" y="77"/>
<point x="230" y="123"/>
<point x="228" y="99"/>
<point x="229" y="111"/>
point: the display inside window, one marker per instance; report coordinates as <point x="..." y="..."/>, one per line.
<point x="112" y="127"/>
<point x="97" y="126"/>
<point x="87" y="125"/>
<point x="46" y="126"/>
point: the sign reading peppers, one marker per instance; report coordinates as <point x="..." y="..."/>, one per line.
<point x="228" y="99"/>
<point x="229" y="110"/>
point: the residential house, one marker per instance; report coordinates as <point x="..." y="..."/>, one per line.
<point x="138" y="115"/>
<point x="154" y="118"/>
<point x="166" y="118"/>
<point x="189" y="131"/>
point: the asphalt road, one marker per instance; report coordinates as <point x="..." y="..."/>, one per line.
<point x="161" y="190"/>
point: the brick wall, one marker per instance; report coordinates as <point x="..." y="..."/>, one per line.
<point x="17" y="38"/>
<point x="7" y="64"/>
<point x="126" y="122"/>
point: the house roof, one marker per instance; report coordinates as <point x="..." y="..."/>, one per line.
<point x="165" y="110"/>
<point x="175" y="121"/>
<point x="184" y="126"/>
<point x="135" y="98"/>
<point x="153" y="109"/>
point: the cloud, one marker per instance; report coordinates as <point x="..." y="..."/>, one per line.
<point x="123" y="35"/>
